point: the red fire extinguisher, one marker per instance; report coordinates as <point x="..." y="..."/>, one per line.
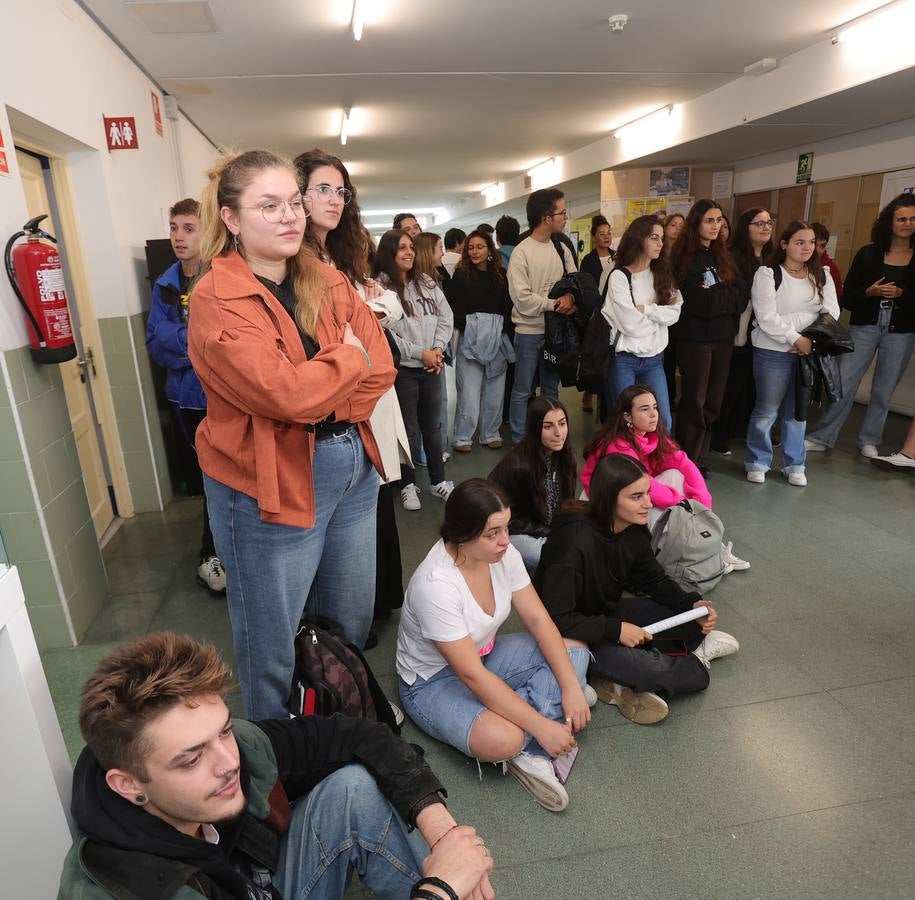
<point x="37" y="278"/>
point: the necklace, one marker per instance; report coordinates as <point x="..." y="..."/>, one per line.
<point x="796" y="271"/>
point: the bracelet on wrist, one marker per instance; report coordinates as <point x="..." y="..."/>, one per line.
<point x="443" y="834"/>
<point x="435" y="882"/>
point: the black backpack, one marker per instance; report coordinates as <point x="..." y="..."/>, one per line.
<point x="332" y="676"/>
<point x="597" y="351"/>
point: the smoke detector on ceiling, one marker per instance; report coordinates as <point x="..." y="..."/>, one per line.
<point x="618" y="23"/>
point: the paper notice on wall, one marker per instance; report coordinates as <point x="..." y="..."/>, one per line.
<point x="722" y="184"/>
<point x="614" y="211"/>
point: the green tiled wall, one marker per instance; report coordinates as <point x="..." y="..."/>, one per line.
<point x="120" y="338"/>
<point x="51" y="450"/>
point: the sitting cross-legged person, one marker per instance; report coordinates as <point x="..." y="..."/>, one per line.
<point x="514" y="698"/>
<point x="599" y="549"/>
<point x="173" y="798"/>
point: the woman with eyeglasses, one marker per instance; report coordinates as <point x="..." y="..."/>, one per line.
<point x="714" y="296"/>
<point x="789" y="293"/>
<point x="642" y="302"/>
<point x="335" y="234"/>
<point x="293" y="363"/>
<point x="750" y="242"/>
<point x="880" y="292"/>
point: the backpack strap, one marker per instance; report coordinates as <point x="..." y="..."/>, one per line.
<point x="560" y="249"/>
<point x="776" y="275"/>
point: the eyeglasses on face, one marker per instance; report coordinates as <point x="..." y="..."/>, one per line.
<point x="657" y="238"/>
<point x="560" y="212"/>
<point x="765" y="224"/>
<point x="274" y="211"/>
<point x="325" y="192"/>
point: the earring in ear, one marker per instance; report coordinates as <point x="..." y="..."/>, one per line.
<point x="629" y="424"/>
<point x="235" y="242"/>
<point x="141" y="800"/>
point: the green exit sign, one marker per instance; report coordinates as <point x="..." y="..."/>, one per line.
<point x="804" y="168"/>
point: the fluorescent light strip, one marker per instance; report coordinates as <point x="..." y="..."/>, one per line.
<point x="888" y="20"/>
<point x="493" y="188"/>
<point x="344" y="126"/>
<point x="664" y="110"/>
<point x="532" y="172"/>
<point x="357" y="20"/>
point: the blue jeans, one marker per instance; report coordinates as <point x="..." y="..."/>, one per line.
<point x="775" y="373"/>
<point x="893" y="354"/>
<point x="628" y="369"/>
<point x="274" y="572"/>
<point x="528" y="362"/>
<point x="479" y="400"/>
<point x="344" y="825"/>
<point x="445" y="708"/>
<point x="419" y="394"/>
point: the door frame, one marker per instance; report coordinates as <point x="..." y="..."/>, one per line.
<point x="99" y="384"/>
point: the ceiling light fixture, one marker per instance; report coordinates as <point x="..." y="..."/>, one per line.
<point x="357" y="21"/>
<point x="761" y="66"/>
<point x="887" y="21"/>
<point x="641" y="120"/>
<point x="344" y="126"/>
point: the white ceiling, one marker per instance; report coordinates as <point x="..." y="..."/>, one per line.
<point x="448" y="98"/>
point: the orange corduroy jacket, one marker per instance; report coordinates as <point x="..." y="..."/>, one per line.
<point x="262" y="390"/>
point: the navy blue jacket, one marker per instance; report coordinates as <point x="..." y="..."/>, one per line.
<point x="166" y="340"/>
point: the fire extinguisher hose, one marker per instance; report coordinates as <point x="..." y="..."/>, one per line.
<point x="11" y="274"/>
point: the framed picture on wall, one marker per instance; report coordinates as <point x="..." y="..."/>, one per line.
<point x="666" y="182"/>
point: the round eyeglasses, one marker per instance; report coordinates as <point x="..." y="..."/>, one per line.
<point x="766" y="225"/>
<point x="274" y="211"/>
<point x="325" y="192"/>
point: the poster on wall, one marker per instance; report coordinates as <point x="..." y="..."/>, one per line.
<point x="121" y="133"/>
<point x="4" y="163"/>
<point x="668" y="182"/>
<point x="722" y="184"/>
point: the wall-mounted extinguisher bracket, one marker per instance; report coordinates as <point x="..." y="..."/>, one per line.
<point x="37" y="279"/>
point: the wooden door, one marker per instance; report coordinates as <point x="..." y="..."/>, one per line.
<point x="792" y="205"/>
<point x="76" y="377"/>
<point x="748" y="201"/>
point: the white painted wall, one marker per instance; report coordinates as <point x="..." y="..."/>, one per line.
<point x="59" y="74"/>
<point x="874" y="150"/>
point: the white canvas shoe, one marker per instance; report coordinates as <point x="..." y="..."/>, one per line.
<point x="716" y="645"/>
<point x="535" y="774"/>
<point x="211" y="575"/>
<point x="869" y="451"/>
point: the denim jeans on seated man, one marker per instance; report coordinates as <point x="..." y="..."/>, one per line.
<point x="528" y="362"/>
<point x="893" y="354"/>
<point x="344" y="825"/>
<point x="775" y="373"/>
<point x="628" y="369"/>
<point x="274" y="572"/>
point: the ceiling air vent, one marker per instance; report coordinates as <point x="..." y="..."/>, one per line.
<point x="174" y="16"/>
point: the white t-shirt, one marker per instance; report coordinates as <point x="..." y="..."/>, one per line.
<point x="438" y="606"/>
<point x="782" y="315"/>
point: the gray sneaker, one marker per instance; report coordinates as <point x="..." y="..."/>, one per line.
<point x="211" y="574"/>
<point x="535" y="774"/>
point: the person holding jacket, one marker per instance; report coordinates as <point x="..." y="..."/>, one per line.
<point x="293" y="363"/>
<point x="880" y="292"/>
<point x="641" y="303"/>
<point x="782" y="313"/>
<point x="594" y="553"/>
<point x="478" y="293"/>
<point x="635" y="429"/>
<point x="714" y="296"/>
<point x="172" y="797"/>
<point x="166" y="341"/>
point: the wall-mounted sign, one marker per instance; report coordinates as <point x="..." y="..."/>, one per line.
<point x="121" y="133"/>
<point x="157" y="113"/>
<point x="804" y="168"/>
<point x="4" y="163"/>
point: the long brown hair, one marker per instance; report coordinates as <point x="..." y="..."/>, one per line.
<point x="617" y="428"/>
<point x="778" y="255"/>
<point x="386" y="265"/>
<point x="424" y="248"/>
<point x="742" y="251"/>
<point x="689" y="244"/>
<point x="631" y="248"/>
<point x="227" y="182"/>
<point x="346" y="245"/>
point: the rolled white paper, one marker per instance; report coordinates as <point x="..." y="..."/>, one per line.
<point x="680" y="619"/>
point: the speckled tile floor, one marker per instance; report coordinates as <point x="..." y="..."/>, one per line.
<point x="793" y="775"/>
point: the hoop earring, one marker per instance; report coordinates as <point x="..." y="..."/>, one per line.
<point x="141" y="800"/>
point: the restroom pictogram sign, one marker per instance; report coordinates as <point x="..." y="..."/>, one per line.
<point x="121" y="133"/>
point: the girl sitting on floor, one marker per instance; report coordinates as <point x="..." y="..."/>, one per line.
<point x="596" y="550"/>
<point x="538" y="475"/>
<point x="496" y="697"/>
<point x="635" y="429"/>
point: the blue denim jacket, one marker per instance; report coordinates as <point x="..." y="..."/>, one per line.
<point x="486" y="343"/>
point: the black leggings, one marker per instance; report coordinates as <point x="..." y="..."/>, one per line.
<point x="644" y="668"/>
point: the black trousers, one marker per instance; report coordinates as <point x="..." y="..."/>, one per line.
<point x="646" y="669"/>
<point x="189" y="421"/>
<point x="388" y="568"/>
<point x="739" y="397"/>
<point x="703" y="377"/>
<point x="419" y="394"/>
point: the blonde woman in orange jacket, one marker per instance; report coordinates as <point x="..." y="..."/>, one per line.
<point x="292" y="362"/>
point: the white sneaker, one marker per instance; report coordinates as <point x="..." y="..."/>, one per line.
<point x="443" y="489"/>
<point x="716" y="645"/>
<point x="211" y="575"/>
<point x="869" y="451"/>
<point x="756" y="476"/>
<point x="409" y="496"/>
<point x="535" y="774"/>
<point x="446" y="456"/>
<point x="590" y="696"/>
<point x="798" y="479"/>
<point x="398" y="713"/>
<point x="728" y="559"/>
<point x="896" y="460"/>
<point x="814" y="446"/>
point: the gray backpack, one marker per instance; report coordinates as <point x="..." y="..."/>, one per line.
<point x="687" y="542"/>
